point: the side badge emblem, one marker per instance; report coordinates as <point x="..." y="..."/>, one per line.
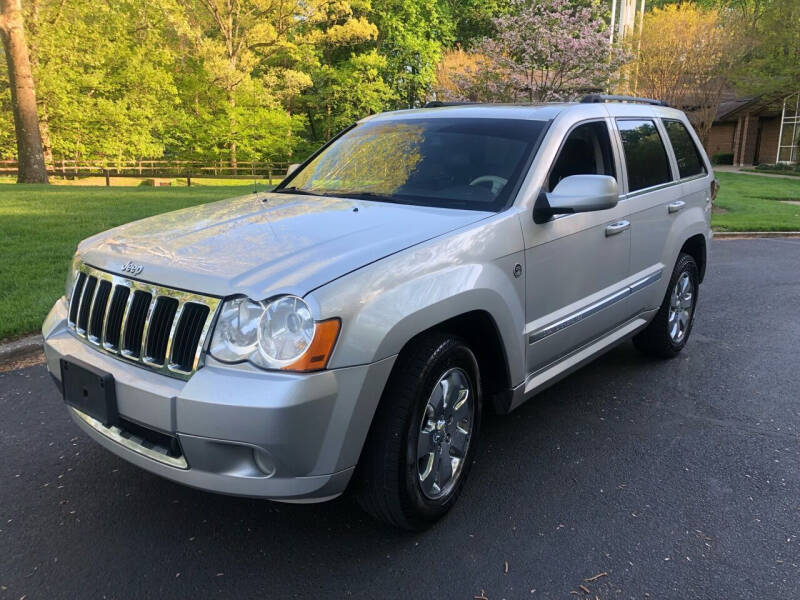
<point x="517" y="270"/>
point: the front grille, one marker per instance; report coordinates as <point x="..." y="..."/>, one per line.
<point x="134" y="327"/>
<point x="160" y="328"/>
<point x="188" y="334"/>
<point x="99" y="311"/>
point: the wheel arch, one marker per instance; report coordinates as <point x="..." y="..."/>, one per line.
<point x="695" y="246"/>
<point x="480" y="332"/>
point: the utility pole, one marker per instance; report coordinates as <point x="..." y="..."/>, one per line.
<point x="613" y="18"/>
<point x="30" y="156"/>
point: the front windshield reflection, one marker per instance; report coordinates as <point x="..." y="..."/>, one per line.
<point x="472" y="163"/>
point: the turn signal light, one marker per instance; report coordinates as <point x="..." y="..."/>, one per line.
<point x="320" y="349"/>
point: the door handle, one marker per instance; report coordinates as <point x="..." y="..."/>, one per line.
<point x="617" y="227"/>
<point x="674" y="207"/>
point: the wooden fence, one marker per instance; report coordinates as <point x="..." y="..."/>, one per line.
<point x="70" y="169"/>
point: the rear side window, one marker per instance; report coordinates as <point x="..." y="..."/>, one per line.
<point x="645" y="155"/>
<point x="686" y="153"/>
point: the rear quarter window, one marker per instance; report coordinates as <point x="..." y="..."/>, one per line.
<point x="690" y="161"/>
<point x="645" y="156"/>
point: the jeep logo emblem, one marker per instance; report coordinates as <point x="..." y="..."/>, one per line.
<point x="132" y="268"/>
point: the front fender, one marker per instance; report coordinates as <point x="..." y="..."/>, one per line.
<point x="385" y="304"/>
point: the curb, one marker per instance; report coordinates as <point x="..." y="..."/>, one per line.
<point x="733" y="235"/>
<point x="20" y="348"/>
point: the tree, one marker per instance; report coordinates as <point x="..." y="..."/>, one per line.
<point x="544" y="50"/>
<point x="331" y="104"/>
<point x="770" y="66"/>
<point x="471" y="77"/>
<point x="412" y="35"/>
<point x="30" y="157"/>
<point x="105" y="75"/>
<point x="685" y="58"/>
<point x="259" y="51"/>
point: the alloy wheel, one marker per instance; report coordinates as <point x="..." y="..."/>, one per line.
<point x="681" y="304"/>
<point x="444" y="434"/>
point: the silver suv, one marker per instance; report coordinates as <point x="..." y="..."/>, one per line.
<point x="350" y="327"/>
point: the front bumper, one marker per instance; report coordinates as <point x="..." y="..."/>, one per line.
<point x="242" y="431"/>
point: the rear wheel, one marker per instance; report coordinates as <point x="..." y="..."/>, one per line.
<point x="668" y="332"/>
<point x="422" y="440"/>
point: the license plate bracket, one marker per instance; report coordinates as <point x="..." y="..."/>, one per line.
<point x="90" y="390"/>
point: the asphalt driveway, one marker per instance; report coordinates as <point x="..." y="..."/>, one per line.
<point x="677" y="479"/>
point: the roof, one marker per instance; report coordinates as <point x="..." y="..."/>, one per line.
<point x="544" y="112"/>
<point x="727" y="110"/>
<point x="758" y="105"/>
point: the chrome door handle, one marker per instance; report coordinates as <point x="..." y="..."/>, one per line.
<point x="674" y="207"/>
<point x="617" y="227"/>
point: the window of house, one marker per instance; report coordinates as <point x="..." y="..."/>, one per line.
<point x="586" y="151"/>
<point x="645" y="155"/>
<point x="690" y="162"/>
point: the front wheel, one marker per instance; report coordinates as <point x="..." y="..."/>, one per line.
<point x="668" y="332"/>
<point x="423" y="437"/>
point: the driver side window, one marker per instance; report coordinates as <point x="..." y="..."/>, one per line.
<point x="586" y="151"/>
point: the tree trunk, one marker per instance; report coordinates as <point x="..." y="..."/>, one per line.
<point x="232" y="147"/>
<point x="30" y="158"/>
<point x="44" y="127"/>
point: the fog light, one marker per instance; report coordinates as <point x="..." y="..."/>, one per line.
<point x="264" y="462"/>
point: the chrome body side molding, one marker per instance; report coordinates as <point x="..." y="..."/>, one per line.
<point x="593" y="308"/>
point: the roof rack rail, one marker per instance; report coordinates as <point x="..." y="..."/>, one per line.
<point x="593" y="98"/>
<point x="438" y="103"/>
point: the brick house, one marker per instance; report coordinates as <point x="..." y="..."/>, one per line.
<point x="747" y="128"/>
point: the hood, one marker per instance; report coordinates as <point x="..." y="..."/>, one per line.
<point x="267" y="244"/>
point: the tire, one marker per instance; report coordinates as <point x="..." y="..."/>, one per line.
<point x="659" y="338"/>
<point x="393" y="483"/>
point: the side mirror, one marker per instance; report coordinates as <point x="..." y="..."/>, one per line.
<point x="292" y="168"/>
<point x="577" y="193"/>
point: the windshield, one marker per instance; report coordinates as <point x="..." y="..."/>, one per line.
<point x="455" y="163"/>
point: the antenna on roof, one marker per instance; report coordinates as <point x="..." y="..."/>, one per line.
<point x="595" y="98"/>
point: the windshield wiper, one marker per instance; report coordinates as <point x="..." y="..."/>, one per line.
<point x="365" y="196"/>
<point x="297" y="190"/>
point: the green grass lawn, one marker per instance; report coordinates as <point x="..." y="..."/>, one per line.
<point x="40" y="226"/>
<point x="752" y="203"/>
<point x="94" y="180"/>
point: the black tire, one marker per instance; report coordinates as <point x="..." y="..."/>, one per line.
<point x="655" y="340"/>
<point x="387" y="482"/>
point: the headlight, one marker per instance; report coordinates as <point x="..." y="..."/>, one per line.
<point x="277" y="334"/>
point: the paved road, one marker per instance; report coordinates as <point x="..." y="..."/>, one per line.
<point x="677" y="479"/>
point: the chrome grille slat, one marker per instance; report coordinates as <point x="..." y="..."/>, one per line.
<point x="171" y="338"/>
<point x="124" y="324"/>
<point x="94" y="332"/>
<point x="159" y="327"/>
<point x="77" y="292"/>
<point x="139" y="318"/>
<point x="111" y="299"/>
<point x="85" y="309"/>
<point x="104" y="322"/>
<point x="185" y="354"/>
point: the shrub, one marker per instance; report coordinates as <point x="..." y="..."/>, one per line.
<point x="779" y="168"/>
<point x="722" y="158"/>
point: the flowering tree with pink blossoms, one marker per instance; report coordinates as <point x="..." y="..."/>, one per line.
<point x="544" y="50"/>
